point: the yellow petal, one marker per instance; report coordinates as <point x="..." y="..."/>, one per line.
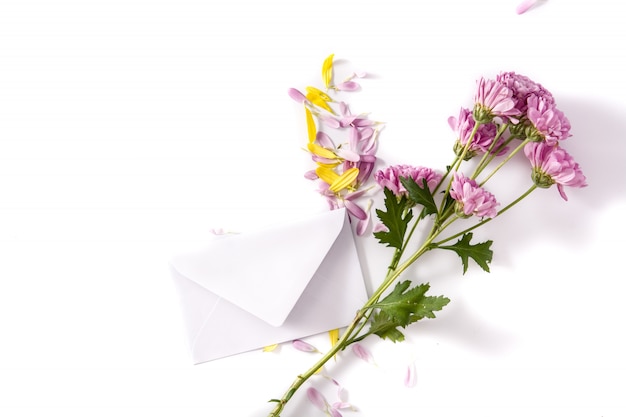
<point x="315" y="92"/>
<point x="344" y="180"/>
<point x="310" y="125"/>
<point x="329" y="166"/>
<point x="334" y="337"/>
<point x="326" y="174"/>
<point x="327" y="70"/>
<point x="319" y="102"/>
<point x="316" y="149"/>
<point x="270" y="348"/>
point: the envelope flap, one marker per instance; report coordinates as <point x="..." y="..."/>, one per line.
<point x="265" y="272"/>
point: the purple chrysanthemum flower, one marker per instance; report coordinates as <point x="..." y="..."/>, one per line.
<point x="493" y="99"/>
<point x="523" y="88"/>
<point x="550" y="123"/>
<point x="553" y="165"/>
<point x="483" y="139"/>
<point x="390" y="177"/>
<point x="471" y="199"/>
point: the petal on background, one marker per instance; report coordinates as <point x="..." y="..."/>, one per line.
<point x="355" y="210"/>
<point x="326" y="174"/>
<point x="362" y="353"/>
<point x="344" y="180"/>
<point x="270" y="348"/>
<point x="310" y="125"/>
<point x="303" y="346"/>
<point x="327" y="70"/>
<point x="296" y="95"/>
<point x="324" y="140"/>
<point x="316" y="398"/>
<point x="321" y="151"/>
<point x="524" y="6"/>
<point x="410" y="378"/>
<point x="348" y="86"/>
<point x="334" y="337"/>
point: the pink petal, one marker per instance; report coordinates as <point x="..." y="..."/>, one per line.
<point x="355" y="210"/>
<point x="410" y="379"/>
<point x="354" y="136"/>
<point x="316" y="398"/>
<point x="525" y="5"/>
<point x="311" y="175"/>
<point x="303" y="346"/>
<point x="348" y="155"/>
<point x="334" y="412"/>
<point x="362" y="353"/>
<point x="330" y="121"/>
<point x="296" y="95"/>
<point x="324" y="140"/>
<point x="348" y="86"/>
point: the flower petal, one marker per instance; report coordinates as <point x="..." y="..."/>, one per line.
<point x="410" y="378"/>
<point x="327" y="70"/>
<point x="296" y="95"/>
<point x="524" y="6"/>
<point x="321" y="151"/>
<point x="348" y="86"/>
<point x="316" y="398"/>
<point x="303" y="346"/>
<point x="310" y="125"/>
<point x="326" y="174"/>
<point x="334" y="337"/>
<point x="270" y="348"/>
<point x="344" y="180"/>
<point x="362" y="353"/>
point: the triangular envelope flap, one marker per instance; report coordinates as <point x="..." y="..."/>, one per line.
<point x="265" y="272"/>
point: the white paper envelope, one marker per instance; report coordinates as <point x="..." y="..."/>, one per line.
<point x="247" y="291"/>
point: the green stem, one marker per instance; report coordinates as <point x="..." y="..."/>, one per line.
<point x="357" y="323"/>
<point x="477" y="225"/>
<point x="507" y="159"/>
<point x="491" y="152"/>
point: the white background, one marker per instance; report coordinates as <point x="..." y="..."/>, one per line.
<point x="129" y="129"/>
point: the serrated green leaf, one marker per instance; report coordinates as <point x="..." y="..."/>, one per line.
<point x="420" y="194"/>
<point x="402" y="307"/>
<point x="385" y="327"/>
<point x="395" y="218"/>
<point x="480" y="252"/>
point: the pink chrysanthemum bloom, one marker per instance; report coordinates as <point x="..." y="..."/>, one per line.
<point x="522" y="88"/>
<point x="483" y="139"/>
<point x="471" y="199"/>
<point x="390" y="177"/>
<point x="553" y="165"/>
<point x="493" y="99"/>
<point x="550" y="124"/>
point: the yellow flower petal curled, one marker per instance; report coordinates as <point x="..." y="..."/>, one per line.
<point x="327" y="70"/>
<point x="318" y="150"/>
<point x="326" y="174"/>
<point x="319" y="102"/>
<point x="270" y="348"/>
<point x="310" y="126"/>
<point x="344" y="180"/>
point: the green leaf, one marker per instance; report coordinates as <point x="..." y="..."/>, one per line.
<point x="402" y="307"/>
<point x="385" y="327"/>
<point x="395" y="218"/>
<point x="420" y="194"/>
<point x="480" y="252"/>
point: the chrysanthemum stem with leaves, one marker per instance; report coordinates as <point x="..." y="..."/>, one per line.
<point x="512" y="107"/>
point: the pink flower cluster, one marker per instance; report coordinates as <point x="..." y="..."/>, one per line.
<point x="471" y="199"/>
<point x="481" y="141"/>
<point x="390" y="178"/>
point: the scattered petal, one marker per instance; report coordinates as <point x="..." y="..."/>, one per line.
<point x="362" y="353"/>
<point x="317" y="399"/>
<point x="321" y="151"/>
<point x="348" y="86"/>
<point x="326" y="174"/>
<point x="327" y="70"/>
<point x="355" y="210"/>
<point x="334" y="412"/>
<point x="330" y="121"/>
<point x="304" y="346"/>
<point x="348" y="155"/>
<point x="324" y="140"/>
<point x="311" y="175"/>
<point x="344" y="180"/>
<point x="363" y="224"/>
<point x="524" y="6"/>
<point x="410" y="378"/>
<point x="334" y="337"/>
<point x="296" y="95"/>
<point x="310" y="125"/>
<point x="270" y="348"/>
